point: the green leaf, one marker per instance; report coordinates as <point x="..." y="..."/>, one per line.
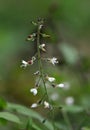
<point x="69" y="52"/>
<point x="10" y="117"/>
<point x="2" y="103"/>
<point x="85" y="128"/>
<point x="3" y="121"/>
<point x="73" y="108"/>
<point x="32" y="125"/>
<point x="35" y="127"/>
<point x="28" y="112"/>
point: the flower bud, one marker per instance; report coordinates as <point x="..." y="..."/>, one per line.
<point x="34" y="91"/>
<point x="50" y="79"/>
<point x="24" y="63"/>
<point x="34" y="23"/>
<point x="31" y="37"/>
<point x="37" y="72"/>
<point x="34" y="105"/>
<point x="42" y="47"/>
<point x="46" y="104"/>
<point x="45" y="35"/>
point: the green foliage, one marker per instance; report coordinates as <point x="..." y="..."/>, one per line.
<point x="32" y="125"/>
<point x="85" y="128"/>
<point x="10" y="117"/>
<point x="29" y="113"/>
<point x="73" y="109"/>
<point x="70" y="53"/>
<point x="2" y="103"/>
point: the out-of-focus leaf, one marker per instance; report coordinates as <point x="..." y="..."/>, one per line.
<point x="85" y="100"/>
<point x="23" y="110"/>
<point x="10" y="117"/>
<point x="85" y="128"/>
<point x="61" y="126"/>
<point x="3" y="121"/>
<point x="28" y="112"/>
<point x="73" y="108"/>
<point x="2" y="103"/>
<point x="32" y="125"/>
<point x="70" y="53"/>
<point x="35" y="127"/>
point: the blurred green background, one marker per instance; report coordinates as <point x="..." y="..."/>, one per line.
<point x="68" y="23"/>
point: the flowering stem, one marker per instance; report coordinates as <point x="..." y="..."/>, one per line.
<point x="41" y="71"/>
<point x="39" y="59"/>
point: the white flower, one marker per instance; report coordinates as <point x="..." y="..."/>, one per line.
<point x="37" y="72"/>
<point x="60" y="85"/>
<point x="40" y="27"/>
<point x="50" y="79"/>
<point x="24" y="63"/>
<point x="69" y="101"/>
<point x="31" y="37"/>
<point x="46" y="104"/>
<point x="30" y="62"/>
<point x="34" y="105"/>
<point x="53" y="60"/>
<point x="33" y="58"/>
<point x="42" y="47"/>
<point x="34" y="91"/>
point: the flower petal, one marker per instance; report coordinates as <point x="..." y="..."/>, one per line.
<point x="34" y="91"/>
<point x="34" y="105"/>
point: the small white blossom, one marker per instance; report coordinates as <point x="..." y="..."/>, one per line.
<point x="24" y="63"/>
<point x="69" y="101"/>
<point x="60" y="85"/>
<point x="34" y="91"/>
<point x="31" y="37"/>
<point x="34" y="105"/>
<point x="50" y="79"/>
<point x="46" y="104"/>
<point x="33" y="58"/>
<point x="53" y="60"/>
<point x="42" y="47"/>
<point x="40" y="27"/>
<point x="30" y="62"/>
<point x="37" y="72"/>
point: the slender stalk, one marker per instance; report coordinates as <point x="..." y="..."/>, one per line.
<point x="41" y="71"/>
<point x="52" y="114"/>
<point x="39" y="59"/>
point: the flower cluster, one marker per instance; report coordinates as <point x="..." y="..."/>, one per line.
<point x="41" y="77"/>
<point x="26" y="63"/>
